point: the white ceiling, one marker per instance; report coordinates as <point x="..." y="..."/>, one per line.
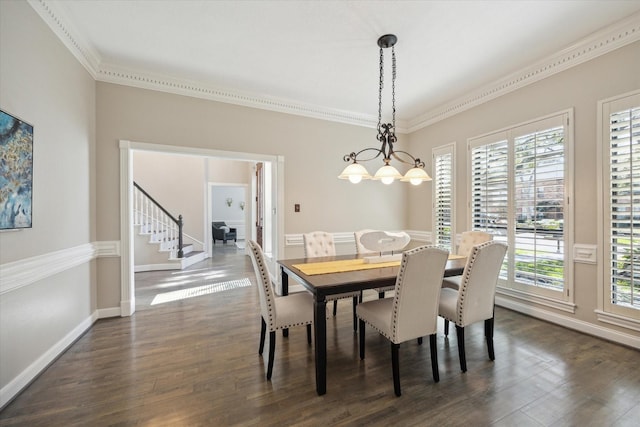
<point x="322" y="55"/>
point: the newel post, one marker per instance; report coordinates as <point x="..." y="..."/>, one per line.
<point x="180" y="253"/>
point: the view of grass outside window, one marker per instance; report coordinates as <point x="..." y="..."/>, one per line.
<point x="518" y="194"/>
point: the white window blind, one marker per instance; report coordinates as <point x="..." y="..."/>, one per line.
<point x="624" y="208"/>
<point x="539" y="206"/>
<point x="443" y="196"/>
<point x="519" y="194"/>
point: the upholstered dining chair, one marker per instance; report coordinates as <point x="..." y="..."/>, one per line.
<point x="474" y="300"/>
<point x="468" y="239"/>
<point x="277" y="312"/>
<point x="360" y="249"/>
<point x="319" y="244"/>
<point x="413" y="311"/>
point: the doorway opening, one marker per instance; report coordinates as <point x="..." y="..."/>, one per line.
<point x="272" y="203"/>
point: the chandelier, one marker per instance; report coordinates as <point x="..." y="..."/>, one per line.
<point x="355" y="172"/>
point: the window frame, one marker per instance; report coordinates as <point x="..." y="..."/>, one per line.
<point x="606" y="311"/>
<point x="563" y="300"/>
<point x="443" y="150"/>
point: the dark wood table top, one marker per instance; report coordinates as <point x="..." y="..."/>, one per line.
<point x="334" y="283"/>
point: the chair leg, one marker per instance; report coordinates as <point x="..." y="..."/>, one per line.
<point x="488" y="333"/>
<point x="355" y="318"/>
<point x="272" y="352"/>
<point x="446" y="327"/>
<point x="395" y="366"/>
<point x="335" y="307"/>
<point x="263" y="331"/>
<point x="362" y="327"/>
<point x="433" y="345"/>
<point x="309" y="334"/>
<point x="461" y="353"/>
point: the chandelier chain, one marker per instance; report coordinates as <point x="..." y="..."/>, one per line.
<point x="380" y="86"/>
<point x="393" y="85"/>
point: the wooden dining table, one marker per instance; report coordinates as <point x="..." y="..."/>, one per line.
<point x="322" y="282"/>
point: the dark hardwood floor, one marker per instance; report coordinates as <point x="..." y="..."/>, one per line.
<point x="194" y="362"/>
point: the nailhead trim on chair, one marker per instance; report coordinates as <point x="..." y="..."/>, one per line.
<point x="266" y="283"/>
<point x="398" y="290"/>
<point x="465" y="282"/>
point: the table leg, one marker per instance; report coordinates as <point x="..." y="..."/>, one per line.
<point x="320" y="336"/>
<point x="284" y="279"/>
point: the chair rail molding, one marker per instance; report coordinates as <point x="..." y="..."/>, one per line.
<point x="31" y="270"/>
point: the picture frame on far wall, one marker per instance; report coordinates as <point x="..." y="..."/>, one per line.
<point x="16" y="172"/>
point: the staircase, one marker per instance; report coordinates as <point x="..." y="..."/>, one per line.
<point x="155" y="250"/>
<point x="158" y="242"/>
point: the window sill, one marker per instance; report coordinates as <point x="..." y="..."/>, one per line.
<point x="565" y="306"/>
<point x="617" y="320"/>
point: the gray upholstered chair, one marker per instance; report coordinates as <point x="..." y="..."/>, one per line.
<point x="220" y="231"/>
<point x="360" y="249"/>
<point x="468" y="239"/>
<point x="474" y="301"/>
<point x="413" y="311"/>
<point x="278" y="312"/>
<point x="319" y="244"/>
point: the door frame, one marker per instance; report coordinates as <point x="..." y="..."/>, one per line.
<point x="127" y="278"/>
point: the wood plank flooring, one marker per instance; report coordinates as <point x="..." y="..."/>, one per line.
<point x="194" y="362"/>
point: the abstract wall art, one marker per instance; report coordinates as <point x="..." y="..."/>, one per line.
<point x="16" y="172"/>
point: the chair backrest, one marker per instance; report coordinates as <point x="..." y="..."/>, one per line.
<point x="218" y="224"/>
<point x="417" y="293"/>
<point x="318" y="243"/>
<point x="478" y="285"/>
<point x="265" y="289"/>
<point x="468" y="239"/>
<point x="360" y="249"/>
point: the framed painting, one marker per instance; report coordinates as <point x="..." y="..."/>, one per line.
<point x="16" y="172"/>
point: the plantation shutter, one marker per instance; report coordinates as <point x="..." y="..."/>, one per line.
<point x="624" y="207"/>
<point x="443" y="197"/>
<point x="539" y="202"/>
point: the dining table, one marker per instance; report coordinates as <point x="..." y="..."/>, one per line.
<point x="324" y="276"/>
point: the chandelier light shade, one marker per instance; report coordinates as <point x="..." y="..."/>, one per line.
<point x="355" y="172"/>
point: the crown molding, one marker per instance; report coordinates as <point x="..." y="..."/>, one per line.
<point x="599" y="43"/>
<point x="110" y="73"/>
<point x="61" y="26"/>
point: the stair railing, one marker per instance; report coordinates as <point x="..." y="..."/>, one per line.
<point x="149" y="213"/>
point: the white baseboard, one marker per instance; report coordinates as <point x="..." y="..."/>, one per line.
<point x="156" y="267"/>
<point x="571" y="323"/>
<point x="15" y="386"/>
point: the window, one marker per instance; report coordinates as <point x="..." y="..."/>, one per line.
<point x="620" y="151"/>
<point x="443" y="196"/>
<point x="519" y="193"/>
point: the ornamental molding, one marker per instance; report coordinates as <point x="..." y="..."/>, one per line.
<point x="620" y="34"/>
<point x="27" y="271"/>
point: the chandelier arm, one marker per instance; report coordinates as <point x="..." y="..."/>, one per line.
<point x="354" y="156"/>
<point x="414" y="160"/>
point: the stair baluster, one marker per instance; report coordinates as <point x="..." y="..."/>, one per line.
<point x="149" y="213"/>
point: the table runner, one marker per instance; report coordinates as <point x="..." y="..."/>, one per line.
<point x="342" y="266"/>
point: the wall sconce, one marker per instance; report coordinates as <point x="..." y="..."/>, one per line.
<point x="241" y="205"/>
<point x="229" y="201"/>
